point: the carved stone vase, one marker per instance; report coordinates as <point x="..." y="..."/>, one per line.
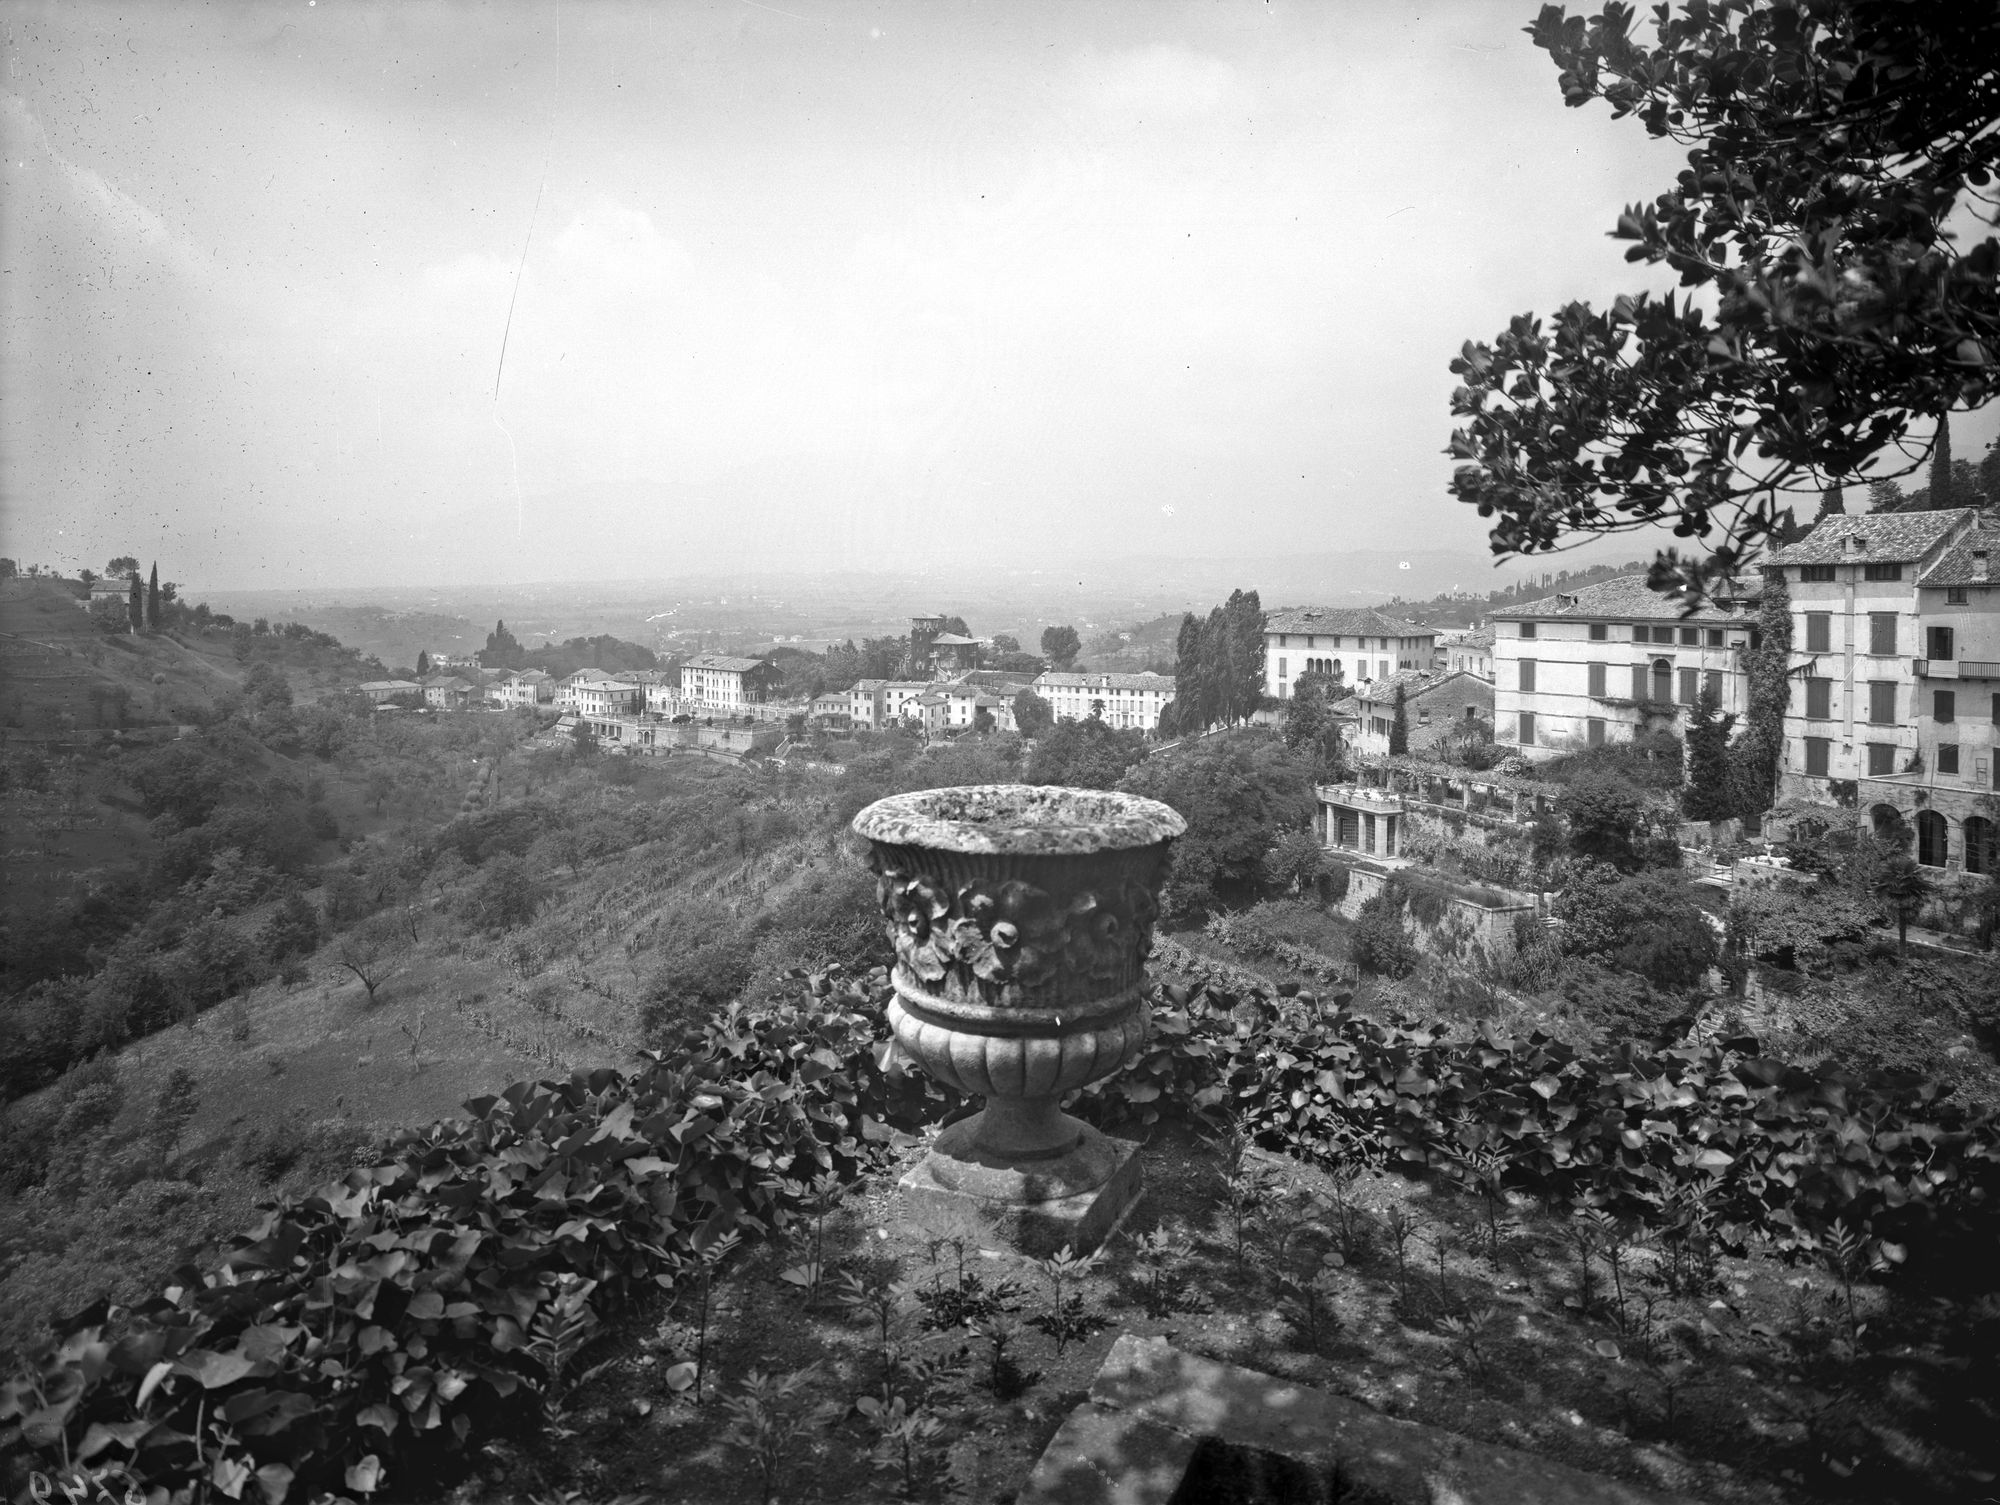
<point x="1022" y="917"/>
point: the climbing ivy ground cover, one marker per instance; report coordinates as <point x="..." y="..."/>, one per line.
<point x="364" y="1339"/>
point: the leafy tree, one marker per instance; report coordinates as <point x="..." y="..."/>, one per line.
<point x="1710" y="793"/>
<point x="1061" y="645"/>
<point x="1903" y="885"/>
<point x="173" y="1111"/>
<point x="124" y="564"/>
<point x="291" y="931"/>
<point x="1032" y="714"/>
<point x="1085" y="755"/>
<point x="1605" y="817"/>
<point x="1309" y="727"/>
<point x="982" y="720"/>
<point x="1399" y="727"/>
<point x="1830" y="143"/>
<point x="9" y="570"/>
<point x="1884" y="496"/>
<point x="1649" y="924"/>
<point x="502" y="651"/>
<point x="1380" y="941"/>
<point x="1295" y="861"/>
<point x="582" y="740"/>
<point x="505" y="896"/>
<point x="1239" y="792"/>
<point x="1005" y="643"/>
<point x="153" y="601"/>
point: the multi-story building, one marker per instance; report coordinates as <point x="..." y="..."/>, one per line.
<point x="878" y="703"/>
<point x="381" y="691"/>
<point x="1579" y="669"/>
<point x="1436" y="709"/>
<point x="715" y="682"/>
<point x="529" y="687"/>
<point x="448" y="692"/>
<point x="604" y="697"/>
<point x="1468" y="651"/>
<point x="1366" y="644"/>
<point x="1896" y="676"/>
<point x="1132" y="701"/>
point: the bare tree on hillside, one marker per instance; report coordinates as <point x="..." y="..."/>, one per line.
<point x="367" y="951"/>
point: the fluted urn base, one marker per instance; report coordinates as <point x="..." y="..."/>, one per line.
<point x="1075" y="1197"/>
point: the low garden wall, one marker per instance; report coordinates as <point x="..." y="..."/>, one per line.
<point x="1475" y="914"/>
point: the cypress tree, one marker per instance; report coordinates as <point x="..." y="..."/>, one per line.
<point x="1942" y="485"/>
<point x="1399" y="727"/>
<point x="135" y="603"/>
<point x="1832" y="500"/>
<point x="423" y="664"/>
<point x="153" y="600"/>
<point x="1769" y="687"/>
<point x="1711" y="789"/>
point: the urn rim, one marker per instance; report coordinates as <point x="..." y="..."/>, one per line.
<point x="1021" y="820"/>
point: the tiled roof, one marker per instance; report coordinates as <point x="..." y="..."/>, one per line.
<point x="953" y="640"/>
<point x="1887" y="536"/>
<point x="1955" y="567"/>
<point x="867" y="686"/>
<point x="1480" y="637"/>
<point x="607" y="683"/>
<point x="1621" y="600"/>
<point x="1352" y="621"/>
<point x="1415" y="683"/>
<point x="724" y="662"/>
<point x="1146" y="681"/>
<point x="393" y="686"/>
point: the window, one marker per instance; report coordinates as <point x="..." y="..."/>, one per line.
<point x="1283" y="640"/>
<point x="1593" y="732"/>
<point x="1875" y="571"/>
<point x="1933" y="838"/>
<point x="1527" y="631"/>
<point x="1599" y="631"/>
<point x="1638" y="681"/>
<point x="1944" y="705"/>
<point x="1281" y="669"/>
<point x="1938" y="643"/>
<point x="1527" y="675"/>
<point x="1690" y="686"/>
<point x="1819" y="699"/>
<point x="1820" y="572"/>
<point x="1423" y="718"/>
<point x="1711" y="685"/>
<point x="1954" y="595"/>
<point x="1663" y="634"/>
<point x="1819" y="632"/>
<point x="1818" y="749"/>
<point x="1947" y="757"/>
<point x="1882" y="634"/>
<point x="1881" y="759"/>
<point x="1663" y="681"/>
<point x="1690" y="637"/>
<point x="1713" y="637"/>
<point x="1596" y="679"/>
<point x="1527" y="728"/>
<point x="1882" y="702"/>
<point x="1642" y="633"/>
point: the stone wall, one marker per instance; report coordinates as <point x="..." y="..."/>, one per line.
<point x="1486" y="925"/>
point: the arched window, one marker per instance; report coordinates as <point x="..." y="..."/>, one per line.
<point x="1933" y="838"/>
<point x="1663" y="682"/>
<point x="1982" y="846"/>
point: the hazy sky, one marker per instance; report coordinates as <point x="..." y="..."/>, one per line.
<point x="801" y="280"/>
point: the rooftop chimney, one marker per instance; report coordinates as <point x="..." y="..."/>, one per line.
<point x="1979" y="564"/>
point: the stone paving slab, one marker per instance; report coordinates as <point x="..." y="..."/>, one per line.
<point x="1148" y="1391"/>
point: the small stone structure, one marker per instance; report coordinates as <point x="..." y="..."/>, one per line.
<point x="1490" y="925"/>
<point x="1162" y="1427"/>
<point x="1022" y="917"/>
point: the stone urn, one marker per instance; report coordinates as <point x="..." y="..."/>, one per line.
<point x="1022" y="917"/>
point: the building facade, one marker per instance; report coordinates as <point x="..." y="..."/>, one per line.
<point x="1437" y="709"/>
<point x="1896" y="677"/>
<point x="1365" y="644"/>
<point x="603" y="697"/>
<point x="1468" y="651"/>
<point x="1128" y="701"/>
<point x="1597" y="665"/>
<point x="713" y="683"/>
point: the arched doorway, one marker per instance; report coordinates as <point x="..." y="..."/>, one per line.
<point x="1981" y="855"/>
<point x="1663" y="682"/>
<point x="1886" y="821"/>
<point x="1933" y="838"/>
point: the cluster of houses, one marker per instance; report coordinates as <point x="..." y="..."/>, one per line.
<point x="1894" y="669"/>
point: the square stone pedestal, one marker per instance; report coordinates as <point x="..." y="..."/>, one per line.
<point x="1036" y="1207"/>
